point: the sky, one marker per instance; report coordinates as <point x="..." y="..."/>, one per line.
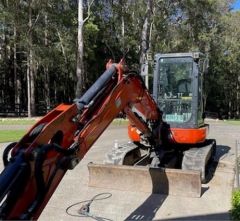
<point x="236" y="5"/>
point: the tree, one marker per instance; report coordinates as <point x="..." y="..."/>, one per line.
<point x="81" y="77"/>
<point x="38" y="43"/>
<point x="145" y="39"/>
<point x="30" y="68"/>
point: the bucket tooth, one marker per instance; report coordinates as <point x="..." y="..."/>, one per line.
<point x="145" y="179"/>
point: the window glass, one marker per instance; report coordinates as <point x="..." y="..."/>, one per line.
<point x="175" y="88"/>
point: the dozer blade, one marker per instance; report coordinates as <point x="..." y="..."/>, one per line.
<point x="144" y="179"/>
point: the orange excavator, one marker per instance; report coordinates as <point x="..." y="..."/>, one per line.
<point x="170" y="138"/>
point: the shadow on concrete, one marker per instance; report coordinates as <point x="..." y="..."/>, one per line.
<point x="204" y="190"/>
<point x="220" y="152"/>
<point x="148" y="209"/>
<point x="213" y="217"/>
<point x="160" y="183"/>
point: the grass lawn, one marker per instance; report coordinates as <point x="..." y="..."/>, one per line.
<point x="17" y="121"/>
<point x="15" y="135"/>
<point x="232" y="122"/>
<point x="120" y="121"/>
<point x="31" y="121"/>
<point x="11" y="135"/>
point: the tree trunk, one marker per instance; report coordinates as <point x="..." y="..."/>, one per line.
<point x="122" y="38"/>
<point x="145" y="41"/>
<point x="46" y="69"/>
<point x="17" y="80"/>
<point x="81" y="81"/>
<point x="30" y="70"/>
<point x="4" y="57"/>
<point x="237" y="100"/>
<point x="229" y="109"/>
<point x="204" y="101"/>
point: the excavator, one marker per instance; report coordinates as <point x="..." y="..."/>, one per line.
<point x="166" y="130"/>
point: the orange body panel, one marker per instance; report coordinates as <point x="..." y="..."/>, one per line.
<point x="58" y="119"/>
<point x="133" y="133"/>
<point x="189" y="136"/>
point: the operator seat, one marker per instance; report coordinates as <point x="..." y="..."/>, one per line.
<point x="184" y="87"/>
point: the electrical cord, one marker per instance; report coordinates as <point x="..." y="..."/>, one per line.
<point x="84" y="210"/>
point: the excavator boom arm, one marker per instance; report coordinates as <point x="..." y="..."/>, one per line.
<point x="60" y="140"/>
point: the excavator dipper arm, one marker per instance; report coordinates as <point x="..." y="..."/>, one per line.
<point x="56" y="143"/>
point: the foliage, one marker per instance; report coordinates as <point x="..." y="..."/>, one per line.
<point x="113" y="28"/>
<point x="235" y="212"/>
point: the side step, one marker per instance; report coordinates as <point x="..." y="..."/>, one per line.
<point x="144" y="179"/>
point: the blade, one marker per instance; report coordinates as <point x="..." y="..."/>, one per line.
<point x="144" y="179"/>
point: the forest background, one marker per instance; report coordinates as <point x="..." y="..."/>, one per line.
<point x="51" y="51"/>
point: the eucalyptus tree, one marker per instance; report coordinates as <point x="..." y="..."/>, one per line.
<point x="81" y="75"/>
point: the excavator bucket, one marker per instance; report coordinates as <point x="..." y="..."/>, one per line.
<point x="145" y="179"/>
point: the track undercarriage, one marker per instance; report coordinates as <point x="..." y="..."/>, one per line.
<point x="180" y="156"/>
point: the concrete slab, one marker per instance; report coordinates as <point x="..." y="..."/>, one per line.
<point x="214" y="203"/>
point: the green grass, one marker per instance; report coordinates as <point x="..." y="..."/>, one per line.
<point x="17" y="121"/>
<point x="25" y="121"/>
<point x="11" y="135"/>
<point x="232" y="122"/>
<point x="119" y="122"/>
<point x="235" y="212"/>
<point x="15" y="135"/>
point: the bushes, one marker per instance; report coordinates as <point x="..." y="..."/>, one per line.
<point x="235" y="213"/>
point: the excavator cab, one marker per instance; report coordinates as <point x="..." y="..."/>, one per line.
<point x="178" y="91"/>
<point x="178" y="87"/>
